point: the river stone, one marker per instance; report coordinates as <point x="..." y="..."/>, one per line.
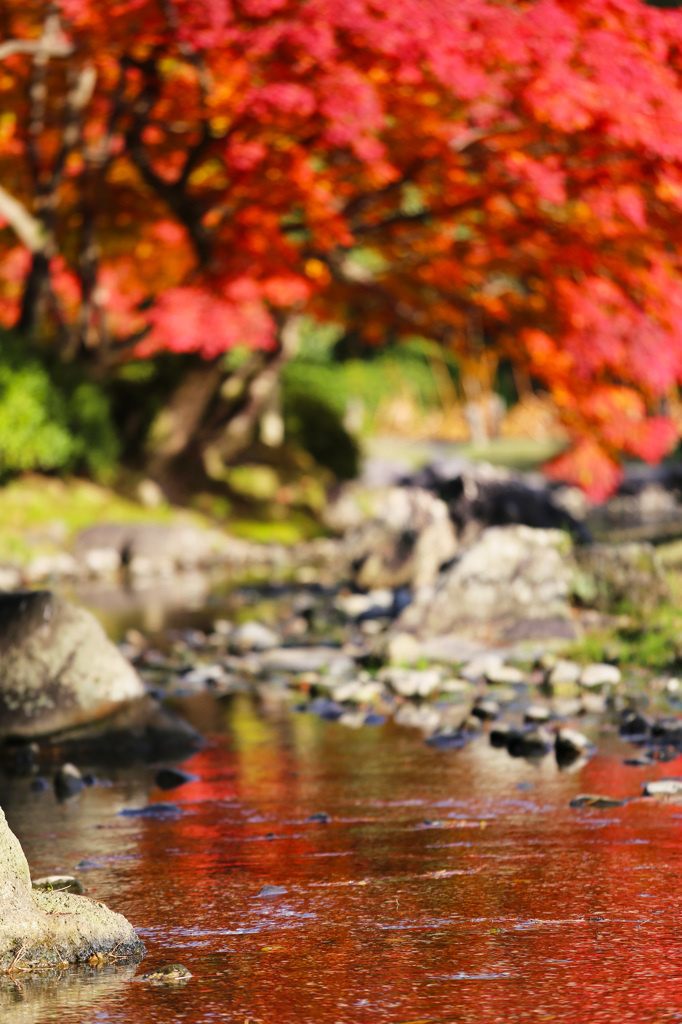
<point x="58" y="670"/>
<point x="663" y="787"/>
<point x="41" y="928"/>
<point x="405" y="545"/>
<point x="513" y="581"/>
<point x="597" y="675"/>
<point x="564" y="673"/>
<point x="308" y="659"/>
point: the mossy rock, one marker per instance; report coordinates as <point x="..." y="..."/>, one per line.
<point x="40" y="928"/>
<point x="618" y="577"/>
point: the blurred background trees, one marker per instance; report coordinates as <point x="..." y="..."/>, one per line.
<point x="227" y="225"/>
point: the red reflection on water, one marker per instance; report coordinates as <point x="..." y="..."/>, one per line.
<point x="438" y="891"/>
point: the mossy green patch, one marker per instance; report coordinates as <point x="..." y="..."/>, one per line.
<point x="42" y="514"/>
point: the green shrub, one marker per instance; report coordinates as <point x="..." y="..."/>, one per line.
<point x="50" y="417"/>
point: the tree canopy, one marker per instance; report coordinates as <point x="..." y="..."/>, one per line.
<point x="188" y="175"/>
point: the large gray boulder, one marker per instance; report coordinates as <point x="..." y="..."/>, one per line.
<point x="405" y="544"/>
<point x="511" y="576"/>
<point x="39" y="928"/>
<point x="58" y="669"/>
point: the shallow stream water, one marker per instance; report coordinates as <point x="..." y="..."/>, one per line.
<point x="446" y="886"/>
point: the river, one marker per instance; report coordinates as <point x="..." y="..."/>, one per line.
<point x="445" y="886"/>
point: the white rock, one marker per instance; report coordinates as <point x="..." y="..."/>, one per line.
<point x="662" y="787"/>
<point x="564" y="672"/>
<point x="503" y="675"/>
<point x="597" y="675"/>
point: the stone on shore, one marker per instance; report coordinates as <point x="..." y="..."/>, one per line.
<point x="58" y="669"/>
<point x="512" y="578"/>
<point x="43" y="928"/>
<point x="405" y="545"/>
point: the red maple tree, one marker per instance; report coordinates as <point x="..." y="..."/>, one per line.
<point x="189" y="175"/>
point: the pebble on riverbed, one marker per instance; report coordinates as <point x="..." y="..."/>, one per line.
<point x="169" y="974"/>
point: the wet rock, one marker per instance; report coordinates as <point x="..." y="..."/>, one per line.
<point x="39" y="785"/>
<point x="510" y="577"/>
<point x="374" y="718"/>
<point x="171" y="778"/>
<point x="535" y="742"/>
<point x="327" y="709"/>
<point x="600" y="675"/>
<point x="537" y="714"/>
<point x="634" y="725"/>
<point x="88" y="865"/>
<point x="42" y="928"/>
<point x="667" y="730"/>
<point x="271" y="890"/>
<point x="500" y="734"/>
<point x="596" y="801"/>
<point x="68" y="781"/>
<point x="170" y="975"/>
<point x="61" y="883"/>
<point x="153" y="811"/>
<point x="253" y="636"/>
<point x="405" y="545"/>
<point x="448" y="739"/>
<point x="58" y="670"/>
<point x="319" y="816"/>
<point x="486" y="709"/>
<point x="663" y="787"/>
<point x="570" y="745"/>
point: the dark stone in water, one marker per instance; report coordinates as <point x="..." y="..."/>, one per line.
<point x="486" y="709"/>
<point x="667" y="730"/>
<point x="448" y="740"/>
<point x="531" y="743"/>
<point x="374" y="718"/>
<point x="500" y="734"/>
<point x="320" y="816"/>
<point x="169" y="974"/>
<point x="160" y="810"/>
<point x="39" y="785"/>
<point x="68" y="781"/>
<point x="89" y="779"/>
<point x="635" y="725"/>
<point x="87" y="865"/>
<point x="594" y="800"/>
<point x="171" y="778"/>
<point x="645" y="761"/>
<point x="272" y="890"/>
<point x="327" y="709"/>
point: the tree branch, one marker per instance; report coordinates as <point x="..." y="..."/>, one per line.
<point x="28" y="228"/>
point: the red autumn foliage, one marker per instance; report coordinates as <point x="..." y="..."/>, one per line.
<point x="185" y="174"/>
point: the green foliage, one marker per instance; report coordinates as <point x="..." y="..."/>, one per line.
<point x="378" y="376"/>
<point x="315" y="425"/>
<point x="50" y="417"/>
